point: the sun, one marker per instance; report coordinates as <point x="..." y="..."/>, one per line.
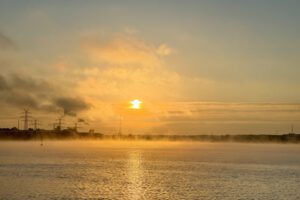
<point x="135" y="104"/>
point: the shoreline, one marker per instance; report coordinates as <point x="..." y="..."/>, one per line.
<point x="290" y="138"/>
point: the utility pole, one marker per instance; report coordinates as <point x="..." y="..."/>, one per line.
<point x="120" y="126"/>
<point x="59" y="123"/>
<point x="35" y="124"/>
<point x="292" y="128"/>
<point x="75" y="127"/>
<point x="25" y="119"/>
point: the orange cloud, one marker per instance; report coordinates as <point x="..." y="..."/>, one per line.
<point x="125" y="50"/>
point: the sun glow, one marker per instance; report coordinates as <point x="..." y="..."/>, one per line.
<point x="135" y="104"/>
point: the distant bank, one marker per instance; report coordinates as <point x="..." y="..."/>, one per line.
<point x="15" y="134"/>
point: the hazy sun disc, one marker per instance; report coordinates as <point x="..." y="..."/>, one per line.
<point x="135" y="104"/>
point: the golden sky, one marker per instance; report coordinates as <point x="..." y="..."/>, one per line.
<point x="199" y="67"/>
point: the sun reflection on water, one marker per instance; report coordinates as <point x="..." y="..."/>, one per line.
<point x="135" y="175"/>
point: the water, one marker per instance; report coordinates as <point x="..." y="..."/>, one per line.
<point x="148" y="170"/>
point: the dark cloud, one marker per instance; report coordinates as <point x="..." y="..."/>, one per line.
<point x="71" y="105"/>
<point x="20" y="91"/>
<point x="80" y="120"/>
<point x="21" y="82"/>
<point x="13" y="93"/>
<point x="28" y="92"/>
<point x="25" y="83"/>
<point x="21" y="99"/>
<point x="6" y="43"/>
<point x="3" y="84"/>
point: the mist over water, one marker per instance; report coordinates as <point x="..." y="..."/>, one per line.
<point x="148" y="170"/>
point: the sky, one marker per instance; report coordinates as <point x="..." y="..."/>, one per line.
<point x="199" y="67"/>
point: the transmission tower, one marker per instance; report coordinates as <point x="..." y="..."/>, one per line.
<point x="26" y="117"/>
<point x="35" y="124"/>
<point x="53" y="125"/>
<point x="60" y="123"/>
<point x="76" y="127"/>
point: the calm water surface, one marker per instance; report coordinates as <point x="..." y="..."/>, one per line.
<point x="148" y="170"/>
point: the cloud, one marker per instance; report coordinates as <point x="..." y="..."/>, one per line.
<point x="6" y="43"/>
<point x="3" y="84"/>
<point x="125" y="50"/>
<point x="81" y="120"/>
<point x="72" y="105"/>
<point x="22" y="82"/>
<point x="164" y="50"/>
<point x="28" y="92"/>
<point x="130" y="30"/>
<point x="119" y="83"/>
<point x="22" y="91"/>
<point x="229" y="112"/>
<point x="21" y="98"/>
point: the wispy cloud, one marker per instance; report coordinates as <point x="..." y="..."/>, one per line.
<point x="230" y="112"/>
<point x="6" y="43"/>
<point x="124" y="49"/>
